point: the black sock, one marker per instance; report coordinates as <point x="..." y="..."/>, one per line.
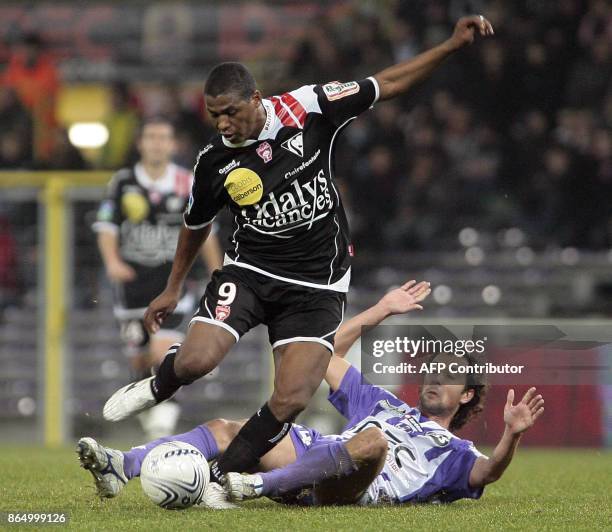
<point x="260" y="434"/>
<point x="166" y="383"/>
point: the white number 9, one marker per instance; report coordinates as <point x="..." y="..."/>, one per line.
<point x="228" y="292"/>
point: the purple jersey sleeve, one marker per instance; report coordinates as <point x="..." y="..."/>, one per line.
<point x="451" y="480"/>
<point x="355" y="398"/>
<point x="457" y="484"/>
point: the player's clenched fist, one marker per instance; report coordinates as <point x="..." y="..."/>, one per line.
<point x="466" y="28"/>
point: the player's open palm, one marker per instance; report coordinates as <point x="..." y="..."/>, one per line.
<point x="158" y="309"/>
<point x="520" y="417"/>
<point x="406" y="297"/>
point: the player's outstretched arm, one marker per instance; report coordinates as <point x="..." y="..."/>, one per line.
<point x="399" y="78"/>
<point x="187" y="248"/>
<point x="399" y="301"/>
<point x="518" y="418"/>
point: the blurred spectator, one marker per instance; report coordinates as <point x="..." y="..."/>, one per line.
<point x="368" y="46"/>
<point x="14" y="151"/>
<point x="404" y="40"/>
<point x="16" y="134"/>
<point x="547" y="195"/>
<point x="590" y="75"/>
<point x="529" y="135"/>
<point x="32" y="73"/>
<point x="122" y="123"/>
<point x="65" y="155"/>
<point x="375" y="182"/>
<point x="8" y="265"/>
<point x="596" y="23"/>
<point x="415" y="222"/>
<point x="13" y="115"/>
<point x="317" y="57"/>
<point x="192" y="131"/>
<point x="601" y="151"/>
<point x="539" y="82"/>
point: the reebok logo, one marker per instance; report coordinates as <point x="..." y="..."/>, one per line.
<point x="295" y="144"/>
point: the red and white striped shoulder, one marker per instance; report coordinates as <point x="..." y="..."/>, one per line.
<point x="293" y="107"/>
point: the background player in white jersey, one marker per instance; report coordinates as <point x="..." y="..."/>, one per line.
<point x="137" y="225"/>
<point x="288" y="262"/>
<point x="389" y="451"/>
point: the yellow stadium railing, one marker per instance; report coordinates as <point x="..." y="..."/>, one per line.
<point x="53" y="187"/>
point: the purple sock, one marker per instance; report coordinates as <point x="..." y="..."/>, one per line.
<point x="200" y="437"/>
<point x="316" y="464"/>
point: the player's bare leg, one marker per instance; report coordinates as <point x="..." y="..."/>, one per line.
<point x="203" y="349"/>
<point x="298" y="374"/>
<point x="300" y="369"/>
<point x="340" y="471"/>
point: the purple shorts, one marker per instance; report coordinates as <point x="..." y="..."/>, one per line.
<point x="305" y="438"/>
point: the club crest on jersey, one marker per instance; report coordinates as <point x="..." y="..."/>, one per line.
<point x="222" y="312"/>
<point x="336" y="90"/>
<point x="264" y="150"/>
<point x="295" y="144"/>
<point x="244" y="186"/>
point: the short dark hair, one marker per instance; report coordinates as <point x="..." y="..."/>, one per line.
<point x="230" y="78"/>
<point x="154" y="121"/>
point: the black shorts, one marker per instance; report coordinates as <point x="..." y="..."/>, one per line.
<point x="239" y="299"/>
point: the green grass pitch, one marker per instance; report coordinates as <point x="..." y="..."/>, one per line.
<point x="542" y="490"/>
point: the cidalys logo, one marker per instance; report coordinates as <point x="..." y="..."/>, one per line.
<point x="244" y="186"/>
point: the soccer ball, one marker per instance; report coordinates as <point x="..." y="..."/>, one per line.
<point x="174" y="475"/>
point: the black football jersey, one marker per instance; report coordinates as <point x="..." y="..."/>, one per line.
<point x="289" y="222"/>
<point x="147" y="216"/>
